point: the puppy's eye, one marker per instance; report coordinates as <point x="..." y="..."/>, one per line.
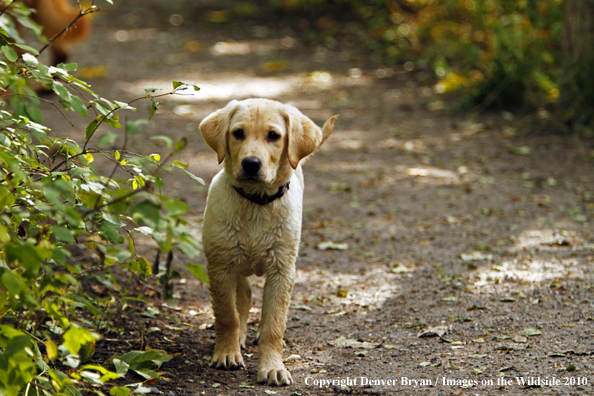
<point x="273" y="136"/>
<point x="238" y="133"/>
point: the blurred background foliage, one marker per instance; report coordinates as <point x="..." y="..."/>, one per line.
<point x="490" y="53"/>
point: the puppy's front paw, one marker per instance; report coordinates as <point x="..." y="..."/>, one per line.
<point x="227" y="361"/>
<point x="278" y="375"/>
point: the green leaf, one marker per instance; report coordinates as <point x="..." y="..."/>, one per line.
<point x="35" y="115"/>
<point x="178" y="164"/>
<point x="63" y="234"/>
<point x="120" y="391"/>
<point x="51" y="349"/>
<point x="61" y="90"/>
<point x="25" y="254"/>
<point x="10" y="53"/>
<point x="91" y="128"/>
<point x="180" y="144"/>
<point x="199" y="180"/>
<point x="198" y="271"/>
<point x="108" y="139"/>
<point x="109" y="232"/>
<point x="30" y="60"/>
<point x="149" y="90"/>
<point x="176" y="208"/>
<point x="135" y="126"/>
<point x="11" y="282"/>
<point x="166" y="139"/>
<point x="146" y="212"/>
<point x="154" y="108"/>
<point x="120" y="366"/>
<point x="76" y="337"/>
<point x="78" y="106"/>
<point x="146" y="373"/>
<point x="27" y="48"/>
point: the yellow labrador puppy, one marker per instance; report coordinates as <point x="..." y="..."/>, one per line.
<point x="252" y="223"/>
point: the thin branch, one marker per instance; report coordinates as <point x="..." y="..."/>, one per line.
<point x="6" y="8"/>
<point x="81" y="14"/>
<point x="46" y="101"/>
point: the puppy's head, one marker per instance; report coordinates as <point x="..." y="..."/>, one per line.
<point x="261" y="140"/>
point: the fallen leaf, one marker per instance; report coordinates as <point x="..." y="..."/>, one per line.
<point x="449" y="299"/>
<point x="361" y="353"/>
<point x="476" y="256"/>
<point x="302" y="307"/>
<point x="453" y="366"/>
<point x="424" y="364"/>
<point x="332" y="245"/>
<point x="292" y="359"/>
<point x="436" y="331"/>
<point x="529" y="332"/>
<point x="520" y="339"/>
<point x="400" y="269"/>
<point x="390" y="346"/>
<point x="343" y="342"/>
<point x="244" y="385"/>
<point x="555" y="354"/>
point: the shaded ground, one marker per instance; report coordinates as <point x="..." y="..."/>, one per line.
<point x="454" y="227"/>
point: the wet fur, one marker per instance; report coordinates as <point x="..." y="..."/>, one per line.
<point x="242" y="238"/>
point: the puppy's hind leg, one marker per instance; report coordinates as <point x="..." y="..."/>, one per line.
<point x="244" y="302"/>
<point x="227" y="353"/>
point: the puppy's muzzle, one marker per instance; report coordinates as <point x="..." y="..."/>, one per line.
<point x="251" y="166"/>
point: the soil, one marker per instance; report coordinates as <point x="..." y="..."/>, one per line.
<point x="467" y="248"/>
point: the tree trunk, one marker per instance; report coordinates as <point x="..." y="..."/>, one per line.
<point x="577" y="82"/>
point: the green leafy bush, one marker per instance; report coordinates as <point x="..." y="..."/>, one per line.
<point x="490" y="51"/>
<point x="53" y="203"/>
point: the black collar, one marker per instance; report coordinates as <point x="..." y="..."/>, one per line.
<point x="263" y="199"/>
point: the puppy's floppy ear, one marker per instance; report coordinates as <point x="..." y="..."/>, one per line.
<point x="214" y="128"/>
<point x="304" y="135"/>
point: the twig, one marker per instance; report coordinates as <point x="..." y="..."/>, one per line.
<point x="81" y="14"/>
<point x="6" y="8"/>
<point x="46" y="101"/>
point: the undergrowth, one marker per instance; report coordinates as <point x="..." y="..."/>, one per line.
<point x="60" y="218"/>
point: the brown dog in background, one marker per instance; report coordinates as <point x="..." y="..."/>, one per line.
<point x="54" y="16"/>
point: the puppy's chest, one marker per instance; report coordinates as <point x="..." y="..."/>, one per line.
<point x="257" y="237"/>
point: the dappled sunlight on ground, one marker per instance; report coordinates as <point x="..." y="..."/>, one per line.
<point x="226" y="86"/>
<point x="547" y="261"/>
<point x="370" y="289"/>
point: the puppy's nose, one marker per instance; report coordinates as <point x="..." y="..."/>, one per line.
<point x="251" y="165"/>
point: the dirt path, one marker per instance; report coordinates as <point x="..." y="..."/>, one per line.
<point x="455" y="228"/>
